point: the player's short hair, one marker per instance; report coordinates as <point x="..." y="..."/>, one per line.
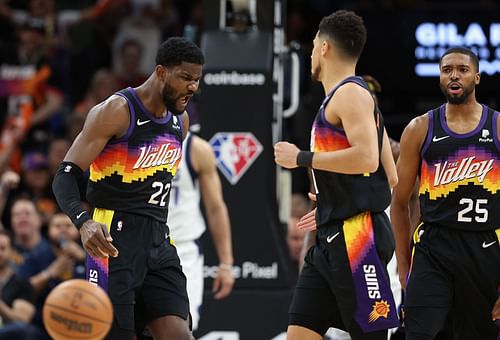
<point x="346" y="30"/>
<point x="176" y="50"/>
<point x="464" y="51"/>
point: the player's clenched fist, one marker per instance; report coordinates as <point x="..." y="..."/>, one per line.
<point x="285" y="154"/>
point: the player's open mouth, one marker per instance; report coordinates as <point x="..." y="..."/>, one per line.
<point x="185" y="99"/>
<point x="455" y="88"/>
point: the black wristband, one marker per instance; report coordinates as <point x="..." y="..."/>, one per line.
<point x="80" y="219"/>
<point x="67" y="193"/>
<point x="305" y="159"/>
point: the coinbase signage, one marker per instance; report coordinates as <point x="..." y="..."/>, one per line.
<point x="432" y="39"/>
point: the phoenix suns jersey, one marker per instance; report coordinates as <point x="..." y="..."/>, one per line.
<point x="460" y="174"/>
<point x="340" y="196"/>
<point x="134" y="173"/>
<point x="185" y="220"/>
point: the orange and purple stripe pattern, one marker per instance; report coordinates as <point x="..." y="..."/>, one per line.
<point x="139" y="162"/>
<point x="358" y="236"/>
<point x="325" y="138"/>
<point x="470" y="165"/>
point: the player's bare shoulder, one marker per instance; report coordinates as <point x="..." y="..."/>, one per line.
<point x="350" y="98"/>
<point x="111" y="116"/>
<point x="416" y="130"/>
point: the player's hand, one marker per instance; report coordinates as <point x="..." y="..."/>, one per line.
<point x="285" y="154"/>
<point x="96" y="240"/>
<point x="495" y="313"/>
<point x="308" y="221"/>
<point x="223" y="283"/>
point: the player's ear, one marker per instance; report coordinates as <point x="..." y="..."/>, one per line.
<point x="477" y="78"/>
<point x="325" y="45"/>
<point x="161" y="72"/>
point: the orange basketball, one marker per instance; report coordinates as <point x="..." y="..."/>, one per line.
<point x="77" y="309"/>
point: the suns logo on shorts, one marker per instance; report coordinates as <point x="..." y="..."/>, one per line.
<point x="380" y="309"/>
<point x="371" y="281"/>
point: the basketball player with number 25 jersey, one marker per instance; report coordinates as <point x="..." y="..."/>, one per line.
<point x="132" y="143"/>
<point x="451" y="266"/>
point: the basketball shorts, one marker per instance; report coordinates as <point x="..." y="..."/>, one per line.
<point x="192" y="265"/>
<point x="145" y="281"/>
<point x="455" y="273"/>
<point x="344" y="280"/>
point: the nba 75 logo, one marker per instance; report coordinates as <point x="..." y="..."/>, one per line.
<point x="235" y="152"/>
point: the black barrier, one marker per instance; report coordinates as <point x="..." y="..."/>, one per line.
<point x="236" y="117"/>
<point x="238" y="110"/>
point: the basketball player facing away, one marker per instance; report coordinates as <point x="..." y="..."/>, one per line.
<point x="132" y="142"/>
<point x="197" y="179"/>
<point x="454" y="266"/>
<point x="344" y="281"/>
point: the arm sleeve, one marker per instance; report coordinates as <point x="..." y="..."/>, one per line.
<point x="67" y="193"/>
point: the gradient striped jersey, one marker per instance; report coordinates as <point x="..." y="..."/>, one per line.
<point x="460" y="174"/>
<point x="134" y="173"/>
<point x="340" y="196"/>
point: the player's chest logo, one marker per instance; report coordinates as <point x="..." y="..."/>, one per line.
<point x="158" y="155"/>
<point x="465" y="169"/>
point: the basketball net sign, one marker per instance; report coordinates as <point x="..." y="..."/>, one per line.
<point x="235" y="152"/>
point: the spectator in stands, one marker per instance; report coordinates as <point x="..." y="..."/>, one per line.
<point x="31" y="83"/>
<point x="34" y="257"/>
<point x="129" y="64"/>
<point x="65" y="241"/>
<point x="16" y="297"/>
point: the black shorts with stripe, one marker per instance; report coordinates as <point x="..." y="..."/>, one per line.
<point x="455" y="273"/>
<point x="145" y="281"/>
<point x="325" y="294"/>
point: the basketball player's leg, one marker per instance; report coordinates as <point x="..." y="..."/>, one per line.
<point x="120" y="329"/>
<point x="125" y="271"/>
<point x="298" y="332"/>
<point x="164" y="291"/>
<point x="424" y="323"/>
<point x="313" y="308"/>
<point x="477" y="279"/>
<point x="170" y="327"/>
<point x="429" y="291"/>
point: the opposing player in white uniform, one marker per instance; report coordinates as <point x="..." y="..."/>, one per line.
<point x="197" y="180"/>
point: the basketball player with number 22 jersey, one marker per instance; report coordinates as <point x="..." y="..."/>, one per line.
<point x="132" y="143"/>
